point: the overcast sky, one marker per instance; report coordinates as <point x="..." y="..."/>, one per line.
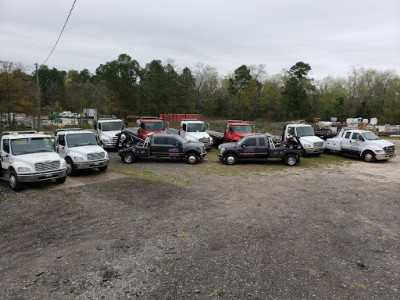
<point x="330" y="35"/>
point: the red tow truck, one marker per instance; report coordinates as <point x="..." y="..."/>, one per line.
<point x="234" y="131"/>
<point x="148" y="124"/>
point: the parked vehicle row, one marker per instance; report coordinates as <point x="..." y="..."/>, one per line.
<point x="30" y="156"/>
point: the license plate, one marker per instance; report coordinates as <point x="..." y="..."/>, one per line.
<point x="48" y="175"/>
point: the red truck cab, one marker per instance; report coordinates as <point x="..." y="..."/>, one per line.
<point x="150" y="125"/>
<point x="235" y="130"/>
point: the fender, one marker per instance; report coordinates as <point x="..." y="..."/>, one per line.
<point x="234" y="152"/>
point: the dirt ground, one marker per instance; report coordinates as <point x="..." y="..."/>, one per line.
<point x="328" y="228"/>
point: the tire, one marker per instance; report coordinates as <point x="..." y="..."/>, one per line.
<point x="61" y="180"/>
<point x="71" y="171"/>
<point x="192" y="159"/>
<point x="369" y="156"/>
<point x="230" y="159"/>
<point x="14" y="182"/>
<point x="128" y="158"/>
<point x="291" y="160"/>
<point x="102" y="169"/>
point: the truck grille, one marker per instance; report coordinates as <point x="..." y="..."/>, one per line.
<point x="95" y="156"/>
<point x="318" y="145"/>
<point x="114" y="140"/>
<point x="205" y="141"/>
<point x="47" y="166"/>
<point x="390" y="150"/>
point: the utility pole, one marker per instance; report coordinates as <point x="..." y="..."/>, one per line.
<point x="38" y="97"/>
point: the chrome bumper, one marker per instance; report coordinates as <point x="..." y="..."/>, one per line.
<point x="385" y="156"/>
<point x="91" y="164"/>
<point x="42" y="176"/>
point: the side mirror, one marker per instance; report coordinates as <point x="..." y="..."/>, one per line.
<point x="95" y="126"/>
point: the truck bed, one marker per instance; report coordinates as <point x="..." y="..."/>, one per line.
<point x="333" y="144"/>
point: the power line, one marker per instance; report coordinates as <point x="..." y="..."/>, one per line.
<point x="62" y="30"/>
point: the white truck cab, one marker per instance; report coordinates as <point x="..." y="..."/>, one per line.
<point x="106" y="130"/>
<point x="28" y="156"/>
<point x="80" y="150"/>
<point x="194" y="130"/>
<point x="311" y="143"/>
<point x="361" y="143"/>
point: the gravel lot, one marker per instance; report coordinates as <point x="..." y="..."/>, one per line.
<point x="326" y="229"/>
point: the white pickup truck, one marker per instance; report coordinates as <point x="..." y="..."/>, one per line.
<point x="80" y="150"/>
<point x="28" y="156"/>
<point x="194" y="130"/>
<point x="311" y="143"/>
<point x="361" y="143"/>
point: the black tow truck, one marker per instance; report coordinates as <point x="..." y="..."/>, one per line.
<point x="164" y="146"/>
<point x="260" y="147"/>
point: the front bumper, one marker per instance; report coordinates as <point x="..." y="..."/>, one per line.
<point x="314" y="150"/>
<point x="385" y="156"/>
<point x="42" y="176"/>
<point x="203" y="154"/>
<point x="91" y="164"/>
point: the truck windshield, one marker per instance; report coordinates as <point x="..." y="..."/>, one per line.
<point x="370" y="136"/>
<point x="81" y="139"/>
<point x="243" y="129"/>
<point x="304" y="131"/>
<point x="155" y="126"/>
<point x="197" y="127"/>
<point x="31" y="145"/>
<point x="112" y="126"/>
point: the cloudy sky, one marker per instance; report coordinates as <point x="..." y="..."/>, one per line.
<point x="331" y="35"/>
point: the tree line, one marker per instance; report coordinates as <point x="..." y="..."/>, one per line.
<point x="123" y="87"/>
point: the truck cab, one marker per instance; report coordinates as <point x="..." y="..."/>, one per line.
<point x="80" y="150"/>
<point x="106" y="130"/>
<point x="147" y="126"/>
<point x="194" y="130"/>
<point x="235" y="130"/>
<point x="311" y="143"/>
<point x="361" y="143"/>
<point x="29" y="156"/>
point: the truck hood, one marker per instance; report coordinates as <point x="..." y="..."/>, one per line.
<point x="225" y="145"/>
<point x="84" y="150"/>
<point x="310" y="139"/>
<point x="110" y="134"/>
<point x="31" y="159"/>
<point x="195" y="136"/>
<point x="379" y="143"/>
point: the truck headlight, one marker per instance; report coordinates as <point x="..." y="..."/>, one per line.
<point x="63" y="164"/>
<point x="78" y="158"/>
<point x="306" y="145"/>
<point x="106" y="140"/>
<point x="23" y="169"/>
<point x="106" y="155"/>
<point x="222" y="149"/>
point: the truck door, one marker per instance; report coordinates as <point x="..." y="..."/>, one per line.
<point x="174" y="147"/>
<point x="346" y="142"/>
<point x="229" y="133"/>
<point x="249" y="148"/>
<point x="262" y="148"/>
<point x="5" y="154"/>
<point x="60" y="145"/>
<point x="357" y="143"/>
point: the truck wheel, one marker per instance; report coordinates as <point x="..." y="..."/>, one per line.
<point x="192" y="159"/>
<point x="71" y="171"/>
<point x="128" y="158"/>
<point x="14" y="182"/>
<point x="230" y="159"/>
<point x="102" y="169"/>
<point x="291" y="160"/>
<point x="61" y="180"/>
<point x="369" y="156"/>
